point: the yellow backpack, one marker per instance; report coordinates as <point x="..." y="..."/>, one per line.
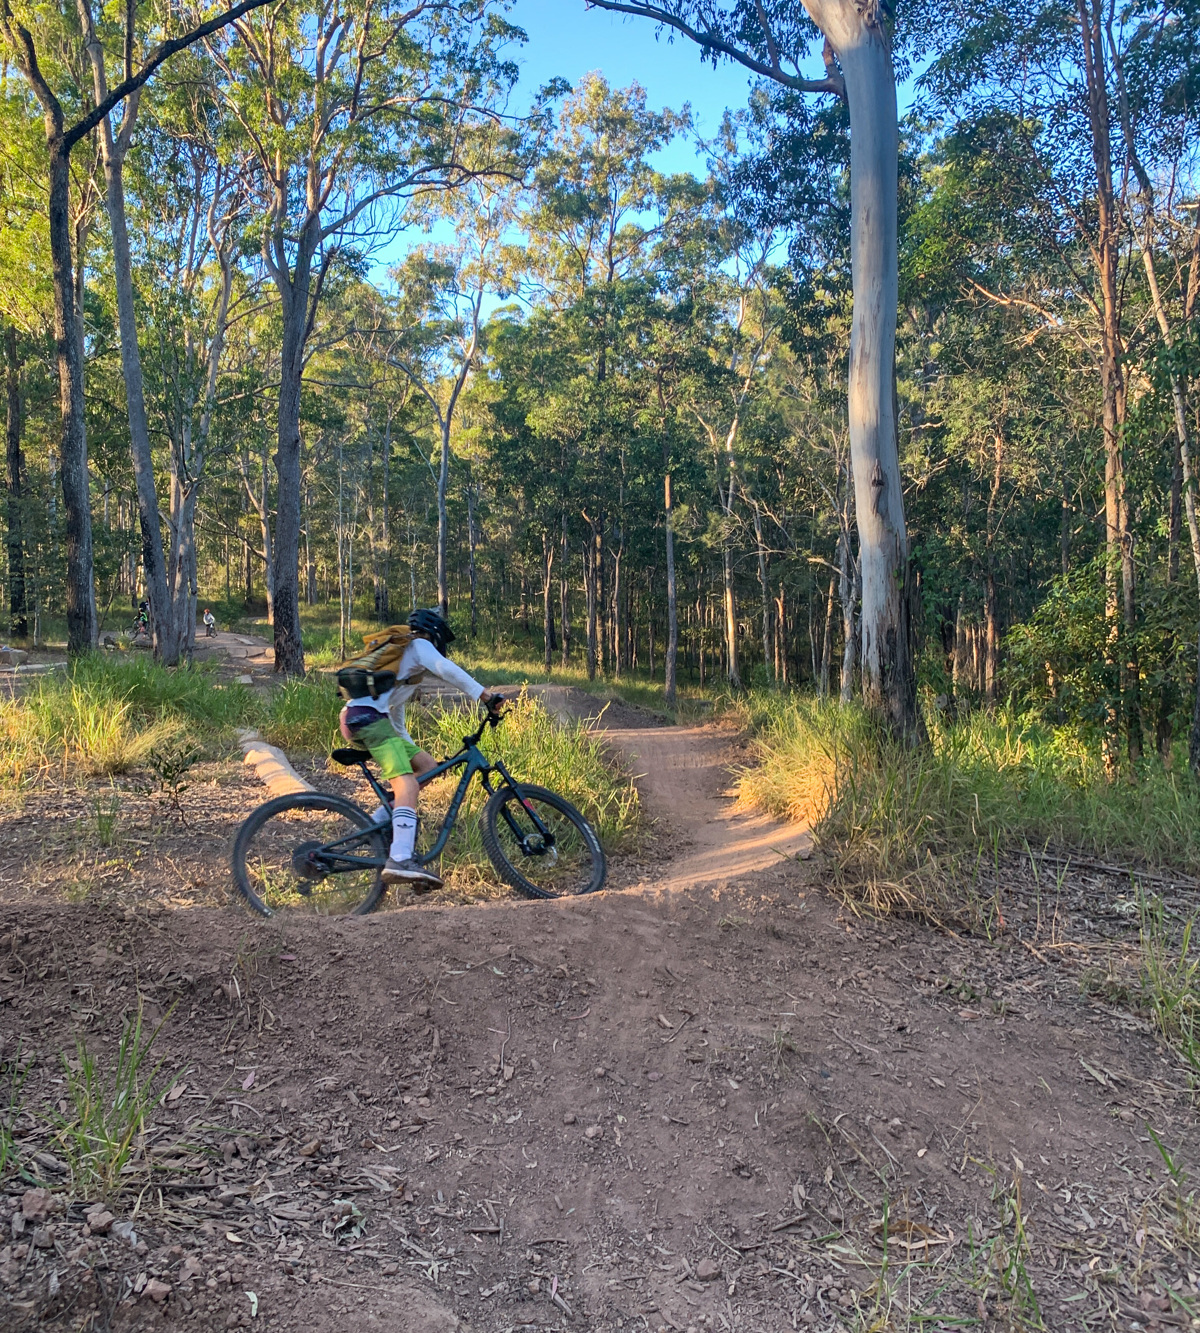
<point x="373" y="671"/>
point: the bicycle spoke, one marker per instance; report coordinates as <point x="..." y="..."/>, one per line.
<point x="313" y="860"/>
<point x="545" y="846"/>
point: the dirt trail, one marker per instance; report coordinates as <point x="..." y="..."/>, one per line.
<point x="712" y="1101"/>
<point x="247" y="652"/>
<point x="685" y="776"/>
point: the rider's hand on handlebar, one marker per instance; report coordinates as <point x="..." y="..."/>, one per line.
<point x="494" y="703"/>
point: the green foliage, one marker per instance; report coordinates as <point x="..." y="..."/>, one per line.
<point x="106" y="715"/>
<point x="107" y="1109"/>
<point x="170" y="764"/>
<point x="1055" y="661"/>
<point x="302" y="715"/>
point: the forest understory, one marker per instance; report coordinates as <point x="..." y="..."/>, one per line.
<point x="712" y="1096"/>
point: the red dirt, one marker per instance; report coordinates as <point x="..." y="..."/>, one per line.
<point x="688" y="1104"/>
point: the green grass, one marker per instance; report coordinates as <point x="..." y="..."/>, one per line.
<point x="107" y="1110"/>
<point x="536" y="748"/>
<point x="302" y="715"/>
<point x="1170" y="976"/>
<point x="107" y="714"/>
<point x="13" y="1071"/>
<point x="898" y="820"/>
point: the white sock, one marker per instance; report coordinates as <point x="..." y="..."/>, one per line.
<point x="404" y="833"/>
<point x="380" y="815"/>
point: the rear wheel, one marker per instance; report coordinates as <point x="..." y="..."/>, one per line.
<point x="310" y="852"/>
<point x="562" y="861"/>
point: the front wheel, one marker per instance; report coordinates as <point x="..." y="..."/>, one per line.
<point x="310" y="852"/>
<point x="540" y="844"/>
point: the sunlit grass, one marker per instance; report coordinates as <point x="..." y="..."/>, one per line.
<point x="106" y="715"/>
<point x="535" y="748"/>
<point x="302" y="715"/>
<point x="983" y="785"/>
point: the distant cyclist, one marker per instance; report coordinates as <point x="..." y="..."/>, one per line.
<point x="378" y="723"/>
<point x="210" y="624"/>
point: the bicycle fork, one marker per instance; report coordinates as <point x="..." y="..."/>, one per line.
<point x="522" y="837"/>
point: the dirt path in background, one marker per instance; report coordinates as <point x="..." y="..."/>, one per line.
<point x="711" y="1101"/>
<point x="246" y="653"/>
<point x="685" y="777"/>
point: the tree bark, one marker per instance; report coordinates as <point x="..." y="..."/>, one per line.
<point x="1120" y="602"/>
<point x="548" y="599"/>
<point x="283" y="577"/>
<point x="826" y="644"/>
<point x="443" y="478"/>
<point x="383" y="601"/>
<point x="729" y="604"/>
<point x="849" y="584"/>
<point x="73" y="456"/>
<point x="591" y="575"/>
<point x="671" y="664"/>
<point x="992" y="646"/>
<point x="164" y="634"/>
<point x="564" y="623"/>
<point x="863" y="49"/>
<point x="18" y="609"/>
<point x="764" y="587"/>
<point x="472" y="572"/>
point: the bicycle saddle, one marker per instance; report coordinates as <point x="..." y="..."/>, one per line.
<point x="349" y="754"/>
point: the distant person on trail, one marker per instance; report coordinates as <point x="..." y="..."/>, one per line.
<point x="377" y="722"/>
<point x="210" y="624"/>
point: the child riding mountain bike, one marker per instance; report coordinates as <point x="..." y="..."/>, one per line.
<point x="374" y="718"/>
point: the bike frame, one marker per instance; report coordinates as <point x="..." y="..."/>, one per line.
<point x="475" y="761"/>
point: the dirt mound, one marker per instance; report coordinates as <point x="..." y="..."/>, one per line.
<point x="711" y="1101"/>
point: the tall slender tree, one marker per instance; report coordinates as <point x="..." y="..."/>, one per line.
<point x="62" y="135"/>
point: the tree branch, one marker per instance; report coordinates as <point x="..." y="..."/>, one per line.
<point x="161" y="53"/>
<point x="832" y="83"/>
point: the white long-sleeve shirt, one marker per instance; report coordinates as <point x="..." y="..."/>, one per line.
<point x="420" y="659"/>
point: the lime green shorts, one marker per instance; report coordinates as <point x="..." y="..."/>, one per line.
<point x="388" y="748"/>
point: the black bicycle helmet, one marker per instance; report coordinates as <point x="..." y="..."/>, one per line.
<point x="433" y="626"/>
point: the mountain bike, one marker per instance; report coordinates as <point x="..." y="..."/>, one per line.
<point x="322" y="853"/>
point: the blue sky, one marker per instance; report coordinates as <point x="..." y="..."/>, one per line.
<point x="568" y="40"/>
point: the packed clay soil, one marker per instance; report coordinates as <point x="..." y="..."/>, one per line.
<point x="710" y="1097"/>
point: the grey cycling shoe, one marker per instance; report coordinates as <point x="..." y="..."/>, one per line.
<point x="409" y="872"/>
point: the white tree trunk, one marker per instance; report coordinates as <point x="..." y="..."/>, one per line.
<point x="861" y="44"/>
<point x="669" y="673"/>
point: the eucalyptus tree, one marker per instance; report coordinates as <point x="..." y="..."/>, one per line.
<point x="25" y="302"/>
<point x="1051" y="114"/>
<point x="441" y="291"/>
<point x="1154" y="67"/>
<point x="18" y="607"/>
<point x="42" y="44"/>
<point x="352" y="112"/>
<point x="192" y="206"/>
<point x="772" y="39"/>
<point x="597" y="217"/>
<point x="743" y="323"/>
